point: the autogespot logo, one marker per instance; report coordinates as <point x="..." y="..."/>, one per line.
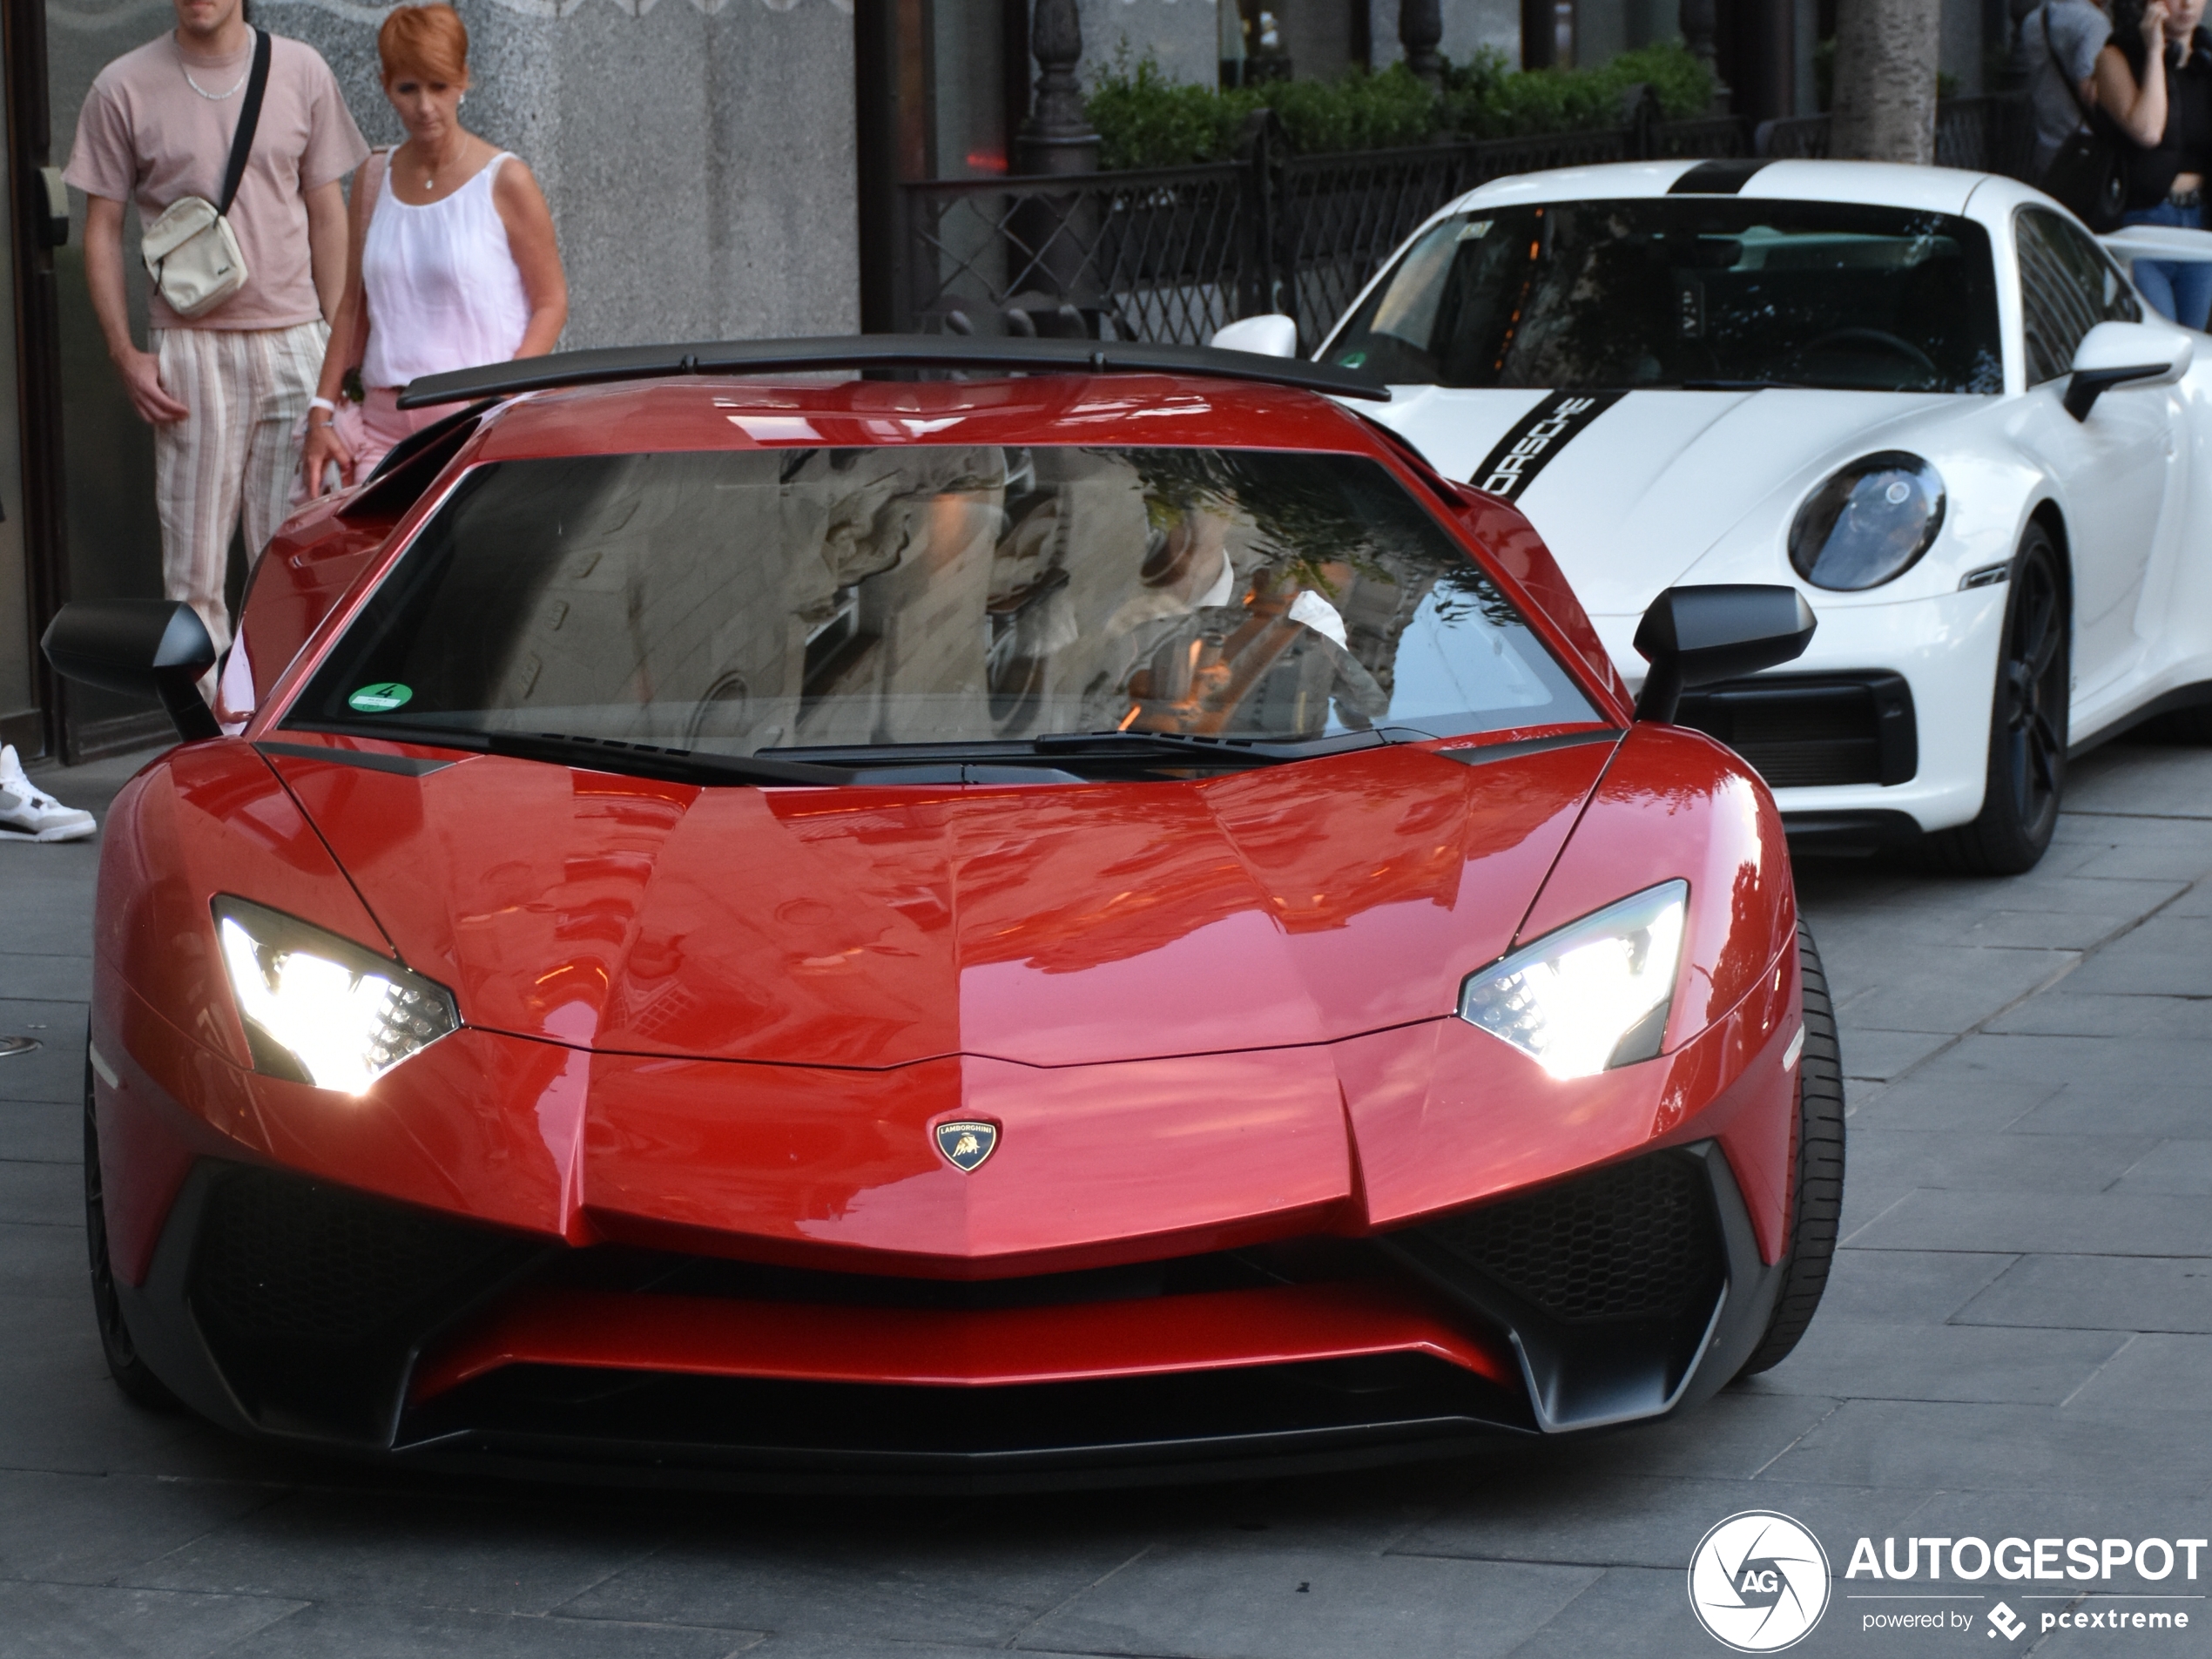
<point x="1758" y="1581"/>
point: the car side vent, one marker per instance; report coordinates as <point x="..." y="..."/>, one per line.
<point x="281" y="1257"/>
<point x="1633" y="1241"/>
<point x="410" y="465"/>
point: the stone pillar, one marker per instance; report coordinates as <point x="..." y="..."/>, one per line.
<point x="1420" y="27"/>
<point x="1057" y="137"/>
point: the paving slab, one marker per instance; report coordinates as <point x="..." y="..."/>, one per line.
<point x="2146" y="1293"/>
<point x="1265" y="1603"/>
<point x="1895" y="1160"/>
<point x="1865" y="1359"/>
<point x="94" y="1529"/>
<point x="89" y="1622"/>
<point x="42" y="1194"/>
<point x="1880" y="1056"/>
<point x="45" y="1131"/>
<point x="1987" y="1447"/>
<point x="383" y="1632"/>
<point x="2182" y="1166"/>
<point x="489" y="1556"/>
<point x="1597" y="1516"/>
<point x="921" y="1582"/>
<point x="1902" y="1287"/>
<point x="1941" y="1096"/>
<point x="2074" y="1223"/>
<point x="55" y="1071"/>
<point x="41" y="1260"/>
<point x="2077" y="1011"/>
<point x="2155" y="1372"/>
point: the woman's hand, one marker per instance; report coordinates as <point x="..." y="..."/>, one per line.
<point x="324" y="446"/>
<point x="2154" y="20"/>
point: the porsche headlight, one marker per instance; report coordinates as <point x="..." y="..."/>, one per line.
<point x="1869" y="523"/>
<point x="1591" y="995"/>
<point x="321" y="1009"/>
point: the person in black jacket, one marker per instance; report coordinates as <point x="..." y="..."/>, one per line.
<point x="2154" y="80"/>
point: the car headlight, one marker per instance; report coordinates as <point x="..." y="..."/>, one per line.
<point x="1591" y="995"/>
<point x="321" y="1009"/>
<point x="1869" y="523"/>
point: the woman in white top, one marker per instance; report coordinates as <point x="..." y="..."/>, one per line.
<point x="452" y="261"/>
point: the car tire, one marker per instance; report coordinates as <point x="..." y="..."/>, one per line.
<point x="2028" y="726"/>
<point x="1817" y="1187"/>
<point x="132" y="1373"/>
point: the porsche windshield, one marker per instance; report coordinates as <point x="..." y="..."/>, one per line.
<point x="731" y="603"/>
<point x="1691" y="292"/>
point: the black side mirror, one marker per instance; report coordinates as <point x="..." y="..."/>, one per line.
<point x="155" y="648"/>
<point x="1695" y="636"/>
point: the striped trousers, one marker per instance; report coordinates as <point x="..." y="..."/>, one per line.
<point x="236" y="453"/>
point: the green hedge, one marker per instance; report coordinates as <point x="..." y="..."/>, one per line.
<point x="1145" y="120"/>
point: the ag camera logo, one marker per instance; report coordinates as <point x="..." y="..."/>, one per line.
<point x="1758" y="1581"/>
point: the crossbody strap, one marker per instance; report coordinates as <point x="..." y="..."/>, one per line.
<point x="249" y="117"/>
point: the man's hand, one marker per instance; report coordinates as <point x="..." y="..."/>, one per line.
<point x="141" y="372"/>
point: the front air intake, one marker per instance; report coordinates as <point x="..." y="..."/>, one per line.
<point x="313" y="1300"/>
<point x="1634" y="1240"/>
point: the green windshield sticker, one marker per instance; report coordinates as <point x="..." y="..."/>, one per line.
<point x="1353" y="359"/>
<point x="381" y="698"/>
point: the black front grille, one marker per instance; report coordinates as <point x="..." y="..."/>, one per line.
<point x="1634" y="1240"/>
<point x="549" y="1413"/>
<point x="1807" y="730"/>
<point x="279" y="1256"/>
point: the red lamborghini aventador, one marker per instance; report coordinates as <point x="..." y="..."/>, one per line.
<point x="1030" y="928"/>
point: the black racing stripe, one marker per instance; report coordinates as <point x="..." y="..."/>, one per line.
<point x="1723" y="177"/>
<point x="1536" y="437"/>
<point x="406" y="766"/>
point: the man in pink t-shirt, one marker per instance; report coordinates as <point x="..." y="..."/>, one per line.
<point x="225" y="391"/>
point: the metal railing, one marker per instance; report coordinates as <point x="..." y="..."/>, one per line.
<point x="1173" y="254"/>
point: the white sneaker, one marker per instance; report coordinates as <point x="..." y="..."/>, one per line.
<point x="29" y="813"/>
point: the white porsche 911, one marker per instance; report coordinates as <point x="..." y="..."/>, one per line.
<point x="1929" y="399"/>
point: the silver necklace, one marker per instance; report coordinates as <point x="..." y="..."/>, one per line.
<point x="217" y="98"/>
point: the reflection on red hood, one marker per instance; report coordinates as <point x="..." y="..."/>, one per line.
<point x="1050" y="924"/>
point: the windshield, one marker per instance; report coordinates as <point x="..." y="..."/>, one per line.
<point x="1686" y="291"/>
<point x="788" y="600"/>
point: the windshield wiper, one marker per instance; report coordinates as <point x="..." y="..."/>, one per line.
<point x="1234" y="751"/>
<point x="606" y="754"/>
<point x="1182" y="747"/>
<point x="648" y="760"/>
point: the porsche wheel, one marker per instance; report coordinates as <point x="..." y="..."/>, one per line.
<point x="2027" y="726"/>
<point x="1816" y="1191"/>
<point x="132" y="1373"/>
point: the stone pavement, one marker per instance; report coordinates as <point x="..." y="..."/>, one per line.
<point x="2018" y="1340"/>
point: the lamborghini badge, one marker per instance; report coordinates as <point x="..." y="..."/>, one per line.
<point x="965" y="1145"/>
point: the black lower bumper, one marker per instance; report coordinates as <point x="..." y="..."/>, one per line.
<point x="299" y="1312"/>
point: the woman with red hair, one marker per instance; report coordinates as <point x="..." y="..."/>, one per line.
<point x="452" y="261"/>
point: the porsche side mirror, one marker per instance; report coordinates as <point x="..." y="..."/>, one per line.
<point x="154" y="648"/>
<point x="1695" y="636"/>
<point x="2125" y="354"/>
<point x="1273" y="335"/>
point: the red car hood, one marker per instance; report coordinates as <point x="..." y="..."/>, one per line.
<point x="1051" y="925"/>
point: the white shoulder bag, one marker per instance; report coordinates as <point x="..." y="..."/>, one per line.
<point x="191" y="252"/>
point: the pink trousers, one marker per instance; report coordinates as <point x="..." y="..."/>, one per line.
<point x="371" y="429"/>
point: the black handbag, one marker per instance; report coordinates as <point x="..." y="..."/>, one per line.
<point x="2089" y="174"/>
